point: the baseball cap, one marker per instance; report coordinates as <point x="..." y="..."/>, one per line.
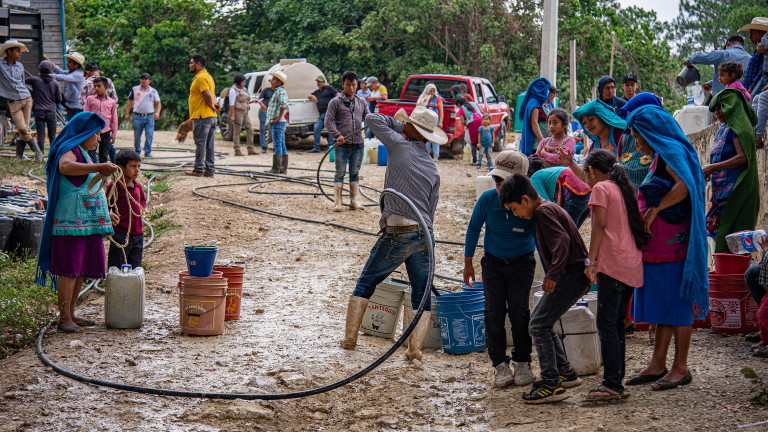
<point x="45" y="65"/>
<point x="320" y="78"/>
<point x="735" y="38"/>
<point x="372" y="80"/>
<point x="629" y="77"/>
<point x="146" y="75"/>
<point x="510" y="162"/>
<point x="554" y="89"/>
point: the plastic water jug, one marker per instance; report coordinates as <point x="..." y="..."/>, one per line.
<point x="466" y="156"/>
<point x="693" y="118"/>
<point x="744" y="242"/>
<point x="124" y="297"/>
<point x="482" y="184"/>
<point x="580" y="339"/>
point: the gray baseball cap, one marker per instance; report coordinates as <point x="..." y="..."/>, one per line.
<point x="372" y="80"/>
<point x="510" y="162"/>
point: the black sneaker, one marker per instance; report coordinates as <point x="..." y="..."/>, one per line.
<point x="569" y="379"/>
<point x="541" y="393"/>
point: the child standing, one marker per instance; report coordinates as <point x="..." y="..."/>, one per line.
<point x="106" y="107"/>
<point x="486" y="142"/>
<point x="563" y="253"/>
<point x="614" y="257"/>
<point x="729" y="73"/>
<point x="547" y="151"/>
<point x="471" y="116"/>
<point x="131" y="201"/>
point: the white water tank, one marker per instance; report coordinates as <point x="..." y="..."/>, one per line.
<point x="124" y="297"/>
<point x="693" y="118"/>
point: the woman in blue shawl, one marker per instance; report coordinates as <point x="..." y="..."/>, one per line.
<point x="601" y="124"/>
<point x="675" y="271"/>
<point x="532" y="114"/>
<point x="71" y="245"/>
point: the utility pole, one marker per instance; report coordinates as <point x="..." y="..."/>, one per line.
<point x="613" y="50"/>
<point x="548" y="63"/>
<point x="573" y="74"/>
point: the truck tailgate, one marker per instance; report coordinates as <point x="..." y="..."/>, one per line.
<point x="302" y="111"/>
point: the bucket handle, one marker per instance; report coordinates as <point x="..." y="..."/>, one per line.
<point x="465" y="315"/>
<point x="209" y="310"/>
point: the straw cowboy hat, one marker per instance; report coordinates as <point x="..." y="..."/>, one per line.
<point x="12" y="44"/>
<point x="76" y="57"/>
<point x="758" y="23"/>
<point x="425" y="122"/>
<point x="280" y="75"/>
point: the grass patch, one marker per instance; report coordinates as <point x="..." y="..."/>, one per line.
<point x="160" y="186"/>
<point x="160" y="222"/>
<point x="10" y="166"/>
<point x="26" y="307"/>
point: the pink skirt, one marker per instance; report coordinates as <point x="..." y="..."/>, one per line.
<point x="74" y="256"/>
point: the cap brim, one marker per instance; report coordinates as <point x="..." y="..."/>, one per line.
<point x="500" y="173"/>
<point x="759" y="27"/>
<point x="437" y="136"/>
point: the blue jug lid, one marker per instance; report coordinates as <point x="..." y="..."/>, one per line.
<point x="126" y="267"/>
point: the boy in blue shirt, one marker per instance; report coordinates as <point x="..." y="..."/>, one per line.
<point x="507" y="268"/>
<point x="486" y="142"/>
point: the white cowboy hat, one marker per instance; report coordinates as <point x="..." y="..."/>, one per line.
<point x="76" y="57"/>
<point x="758" y="23"/>
<point x="280" y="75"/>
<point x="425" y="122"/>
<point x="12" y="44"/>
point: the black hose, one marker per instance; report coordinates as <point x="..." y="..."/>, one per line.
<point x="252" y="396"/>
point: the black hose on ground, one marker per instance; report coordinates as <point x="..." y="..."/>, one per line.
<point x="274" y="396"/>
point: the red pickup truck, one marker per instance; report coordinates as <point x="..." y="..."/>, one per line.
<point x="480" y="88"/>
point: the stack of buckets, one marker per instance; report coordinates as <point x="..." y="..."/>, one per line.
<point x="732" y="308"/>
<point x="206" y="296"/>
<point x="462" y="321"/>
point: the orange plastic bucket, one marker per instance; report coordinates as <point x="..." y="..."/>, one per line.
<point x="202" y="301"/>
<point x="234" y="275"/>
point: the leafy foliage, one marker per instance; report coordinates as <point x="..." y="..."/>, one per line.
<point x="761" y="396"/>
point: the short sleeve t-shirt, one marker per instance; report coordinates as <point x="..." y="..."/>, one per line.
<point x="486" y="136"/>
<point x="324" y="96"/>
<point x="618" y="257"/>
<point x="197" y="107"/>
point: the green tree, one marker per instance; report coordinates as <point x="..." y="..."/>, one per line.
<point x="704" y="25"/>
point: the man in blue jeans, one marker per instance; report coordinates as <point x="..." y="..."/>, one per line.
<point x="146" y="106"/>
<point x="264" y="97"/>
<point x="322" y="97"/>
<point x="412" y="172"/>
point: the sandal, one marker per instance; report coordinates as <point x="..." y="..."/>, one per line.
<point x="603" y="393"/>
<point x="638" y="379"/>
<point x="760" y="351"/>
<point x="86" y="323"/>
<point x="63" y="329"/>
<point x="663" y="384"/>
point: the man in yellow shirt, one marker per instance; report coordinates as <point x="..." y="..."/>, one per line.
<point x="202" y="110"/>
<point x="378" y="92"/>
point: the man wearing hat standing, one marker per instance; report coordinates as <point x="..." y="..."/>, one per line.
<point x="412" y="172"/>
<point x="13" y="88"/>
<point x="73" y="78"/>
<point x="507" y="268"/>
<point x="733" y="51"/>
<point x="322" y="96"/>
<point x="146" y="106"/>
<point x="754" y="70"/>
<point x="629" y="85"/>
<point x="378" y="92"/>
<point x="203" y="110"/>
<point x="278" y="107"/>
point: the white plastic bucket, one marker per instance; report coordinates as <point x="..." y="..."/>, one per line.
<point x="433" y="339"/>
<point x="380" y="318"/>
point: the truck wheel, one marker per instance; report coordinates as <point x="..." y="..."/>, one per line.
<point x="501" y="137"/>
<point x="226" y="127"/>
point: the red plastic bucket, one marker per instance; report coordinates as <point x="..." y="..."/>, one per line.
<point x="234" y="275"/>
<point x="731" y="264"/>
<point x="201" y="305"/>
<point x="733" y="312"/>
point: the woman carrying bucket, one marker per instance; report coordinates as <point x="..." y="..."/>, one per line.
<point x="675" y="271"/>
<point x="507" y="267"/>
<point x="71" y="245"/>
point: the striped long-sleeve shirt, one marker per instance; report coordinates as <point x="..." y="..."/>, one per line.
<point x="410" y="171"/>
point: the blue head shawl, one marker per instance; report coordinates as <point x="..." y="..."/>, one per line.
<point x="640" y="99"/>
<point x="81" y="127"/>
<point x="535" y="96"/>
<point x="663" y="134"/>
<point x="598" y="108"/>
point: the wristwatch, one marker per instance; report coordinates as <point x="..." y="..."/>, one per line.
<point x="589" y="263"/>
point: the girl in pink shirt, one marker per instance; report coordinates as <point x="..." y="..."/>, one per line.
<point x="547" y="151"/>
<point x="729" y="73"/>
<point x="615" y="262"/>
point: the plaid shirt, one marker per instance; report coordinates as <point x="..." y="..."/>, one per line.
<point x="753" y="70"/>
<point x="89" y="91"/>
<point x="279" y="100"/>
<point x="763" y="278"/>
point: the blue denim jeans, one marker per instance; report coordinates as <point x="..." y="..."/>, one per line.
<point x="552" y="359"/>
<point x="487" y="152"/>
<point x="353" y="155"/>
<point x="612" y="300"/>
<point x="278" y="138"/>
<point x="319" y="125"/>
<point x="434" y="148"/>
<point x="263" y="129"/>
<point x="389" y="252"/>
<point x="755" y="289"/>
<point x="203" y="130"/>
<point x="577" y="208"/>
<point x="144" y="124"/>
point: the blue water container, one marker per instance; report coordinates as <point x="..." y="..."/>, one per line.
<point x="381" y="159"/>
<point x="200" y="259"/>
<point x="462" y="321"/>
<point x="476" y="286"/>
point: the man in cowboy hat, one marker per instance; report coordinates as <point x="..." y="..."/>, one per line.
<point x="757" y="29"/>
<point x="412" y="172"/>
<point x="12" y="87"/>
<point x="73" y="78"/>
<point x="278" y="106"/>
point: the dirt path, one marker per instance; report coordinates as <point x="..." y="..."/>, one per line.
<point x="297" y="281"/>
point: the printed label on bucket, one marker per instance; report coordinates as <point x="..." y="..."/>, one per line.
<point x="478" y="323"/>
<point x="382" y="318"/>
<point x="193" y="309"/>
<point x="444" y="333"/>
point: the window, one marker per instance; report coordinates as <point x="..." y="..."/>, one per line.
<point x="479" y="98"/>
<point x="490" y="96"/>
<point x="416" y="86"/>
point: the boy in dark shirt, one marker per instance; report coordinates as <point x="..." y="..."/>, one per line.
<point x="563" y="253"/>
<point x="129" y="207"/>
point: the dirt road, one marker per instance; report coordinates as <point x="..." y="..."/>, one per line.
<point x="297" y="281"/>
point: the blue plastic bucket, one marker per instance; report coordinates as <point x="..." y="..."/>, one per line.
<point x="381" y="155"/>
<point x="476" y="286"/>
<point x="462" y="322"/>
<point x="200" y="259"/>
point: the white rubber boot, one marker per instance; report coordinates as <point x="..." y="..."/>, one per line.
<point x="338" y="188"/>
<point x="355" y="312"/>
<point x="417" y="335"/>
<point x="354" y="192"/>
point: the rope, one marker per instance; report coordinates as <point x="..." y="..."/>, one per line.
<point x="112" y="198"/>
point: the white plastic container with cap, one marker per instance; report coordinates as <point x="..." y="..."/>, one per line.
<point x="124" y="297"/>
<point x="580" y="339"/>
